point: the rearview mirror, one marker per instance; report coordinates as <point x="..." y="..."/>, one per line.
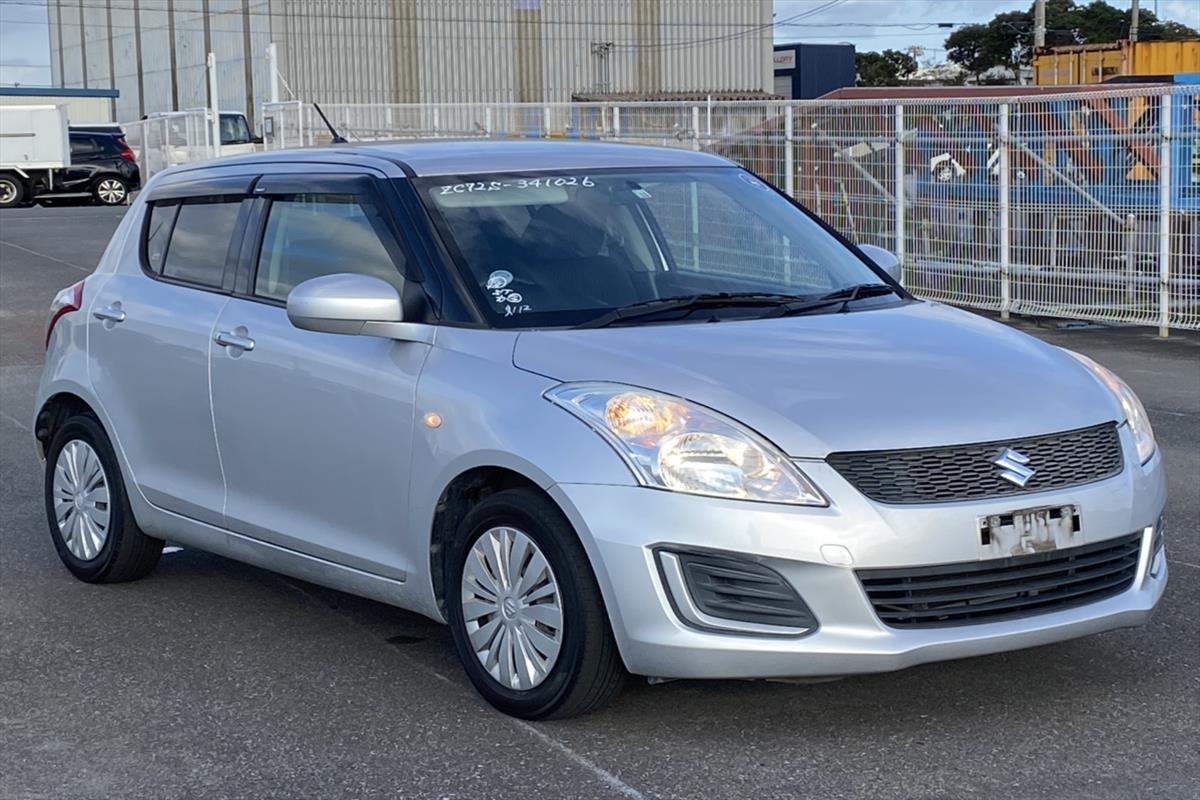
<point x="352" y="304"/>
<point x="884" y="259"/>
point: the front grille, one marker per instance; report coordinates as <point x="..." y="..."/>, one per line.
<point x="1002" y="588"/>
<point x="966" y="472"/>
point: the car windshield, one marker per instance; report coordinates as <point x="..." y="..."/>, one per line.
<point x="234" y="129"/>
<point x="564" y="248"/>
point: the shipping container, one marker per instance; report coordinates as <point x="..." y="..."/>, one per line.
<point x="1097" y="63"/>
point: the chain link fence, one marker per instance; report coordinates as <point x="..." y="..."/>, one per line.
<point x="1081" y="205"/>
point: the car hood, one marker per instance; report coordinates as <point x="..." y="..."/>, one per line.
<point x="912" y="375"/>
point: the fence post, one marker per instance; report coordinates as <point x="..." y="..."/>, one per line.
<point x="899" y="190"/>
<point x="1130" y="258"/>
<point x="487" y="121"/>
<point x="789" y="151"/>
<point x="214" y="104"/>
<point x="1164" y="219"/>
<point x="273" y="69"/>
<point x="616" y="122"/>
<point x="1005" y="219"/>
<point x="695" y="127"/>
<point x="546" y="122"/>
<point x="437" y="119"/>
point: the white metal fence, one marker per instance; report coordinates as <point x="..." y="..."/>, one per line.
<point x="165" y="140"/>
<point x="1082" y="205"/>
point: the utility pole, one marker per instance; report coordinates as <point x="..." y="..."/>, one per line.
<point x="1039" y="23"/>
<point x="1133" y="21"/>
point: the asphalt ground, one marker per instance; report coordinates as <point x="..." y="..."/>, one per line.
<point x="215" y="679"/>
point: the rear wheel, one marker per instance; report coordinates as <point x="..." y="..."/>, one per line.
<point x="12" y="191"/>
<point x="525" y="611"/>
<point x="91" y="523"/>
<point x="110" y="191"/>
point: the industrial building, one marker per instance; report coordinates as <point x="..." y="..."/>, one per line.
<point x="83" y="105"/>
<point x="153" y="52"/>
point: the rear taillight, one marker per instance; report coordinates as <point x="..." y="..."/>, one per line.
<point x="68" y="300"/>
<point x="127" y="154"/>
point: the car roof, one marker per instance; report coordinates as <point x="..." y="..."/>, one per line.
<point x="421" y="158"/>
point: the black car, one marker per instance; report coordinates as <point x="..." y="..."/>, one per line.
<point x="103" y="166"/>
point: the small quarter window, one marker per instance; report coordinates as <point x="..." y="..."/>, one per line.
<point x="200" y="241"/>
<point x="310" y="235"/>
<point x="158" y="231"/>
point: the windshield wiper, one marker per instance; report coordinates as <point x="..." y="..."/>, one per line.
<point x="843" y="297"/>
<point x="691" y="302"/>
<point x="782" y="305"/>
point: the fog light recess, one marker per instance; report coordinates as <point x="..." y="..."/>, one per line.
<point x="730" y="594"/>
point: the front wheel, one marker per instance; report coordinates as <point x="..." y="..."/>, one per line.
<point x="12" y="191"/>
<point x="91" y="522"/>
<point x="525" y="611"/>
<point x="110" y="191"/>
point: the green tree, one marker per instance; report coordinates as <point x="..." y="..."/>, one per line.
<point x="888" y="68"/>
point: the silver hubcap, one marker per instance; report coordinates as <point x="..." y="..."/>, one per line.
<point x="8" y="191"/>
<point x="81" y="500"/>
<point x="111" y="191"/>
<point x="512" y="608"/>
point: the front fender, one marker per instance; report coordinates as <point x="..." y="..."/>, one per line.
<point x="492" y="415"/>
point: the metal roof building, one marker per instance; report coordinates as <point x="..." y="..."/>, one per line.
<point x="83" y="105"/>
<point x="407" y="51"/>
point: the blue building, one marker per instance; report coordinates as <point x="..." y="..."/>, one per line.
<point x="804" y="71"/>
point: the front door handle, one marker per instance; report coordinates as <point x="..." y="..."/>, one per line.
<point x="111" y="313"/>
<point x="231" y="339"/>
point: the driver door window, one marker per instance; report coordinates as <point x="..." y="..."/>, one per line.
<point x="309" y="235"/>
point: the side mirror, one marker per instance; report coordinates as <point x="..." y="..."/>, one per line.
<point x="352" y="304"/>
<point x="884" y="259"/>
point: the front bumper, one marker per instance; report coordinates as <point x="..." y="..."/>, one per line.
<point x="622" y="525"/>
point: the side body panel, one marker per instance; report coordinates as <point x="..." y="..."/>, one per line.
<point x="315" y="431"/>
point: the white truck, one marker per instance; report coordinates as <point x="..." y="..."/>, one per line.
<point x="34" y="142"/>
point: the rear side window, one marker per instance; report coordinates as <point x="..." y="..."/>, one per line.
<point x="309" y="235"/>
<point x="83" y="145"/>
<point x="199" y="241"/>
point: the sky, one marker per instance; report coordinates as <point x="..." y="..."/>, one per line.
<point x="869" y="24"/>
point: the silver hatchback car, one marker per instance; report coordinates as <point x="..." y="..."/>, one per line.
<point x="602" y="409"/>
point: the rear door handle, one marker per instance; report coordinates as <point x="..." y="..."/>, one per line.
<point x="231" y="339"/>
<point x="111" y="313"/>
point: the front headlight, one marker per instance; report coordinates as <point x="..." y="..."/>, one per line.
<point x="1135" y="412"/>
<point x="672" y="444"/>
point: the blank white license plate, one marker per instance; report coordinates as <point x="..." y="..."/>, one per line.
<point x="1030" y="530"/>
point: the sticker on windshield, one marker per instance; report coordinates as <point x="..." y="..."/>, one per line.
<point x="642" y="193"/>
<point x="750" y="179"/>
<point x="499" y="279"/>
<point x="520" y="184"/>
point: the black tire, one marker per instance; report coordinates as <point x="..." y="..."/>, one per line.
<point x="588" y="672"/>
<point x="12" y="191"/>
<point x="110" y="190"/>
<point x="127" y="553"/>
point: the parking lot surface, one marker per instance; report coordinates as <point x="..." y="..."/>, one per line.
<point x="215" y="679"/>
